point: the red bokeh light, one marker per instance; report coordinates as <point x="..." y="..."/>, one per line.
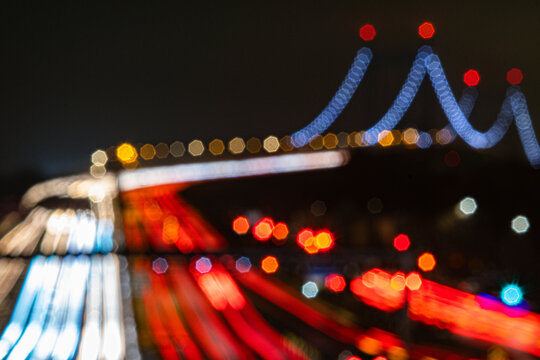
<point x="303" y="236"/>
<point x="263" y="229"/>
<point x="471" y="78"/>
<point x="402" y="242"/>
<point x="335" y="282"/>
<point x="426" y="30"/>
<point x="241" y="225"/>
<point x="426" y="262"/>
<point x="269" y="264"/>
<point x="514" y="76"/>
<point x="367" y="32"/>
<point x="353" y="358"/>
<point x="452" y="158"/>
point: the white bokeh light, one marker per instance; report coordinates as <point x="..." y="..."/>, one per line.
<point x="467" y="206"/>
<point x="310" y="289"/>
<point x="520" y="224"/>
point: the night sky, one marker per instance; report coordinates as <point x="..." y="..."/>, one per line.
<point x="77" y="76"/>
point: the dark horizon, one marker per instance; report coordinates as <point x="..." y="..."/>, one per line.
<point x="81" y="77"/>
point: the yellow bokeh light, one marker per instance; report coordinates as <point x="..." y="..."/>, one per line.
<point x="98" y="171"/>
<point x="397" y="353"/>
<point x="324" y="240"/>
<point x="343" y="139"/>
<point x="286" y="144"/>
<point x="111" y="153"/>
<point x="196" y="147"/>
<point x="410" y="136"/>
<point x="131" y="165"/>
<point x="310" y="246"/>
<point x="271" y="144"/>
<point x="177" y="149"/>
<point x="162" y="150"/>
<point x="359" y="138"/>
<point x="370" y="345"/>
<point x="316" y="142"/>
<point x="237" y="146"/>
<point x="170" y="229"/>
<point x="147" y="152"/>
<point x="386" y="138"/>
<point x="99" y="157"/>
<point x="398" y="282"/>
<point x="253" y="145"/>
<point x="351" y="139"/>
<point x="398" y="137"/>
<point x="216" y="147"/>
<point x="126" y="153"/>
<point x="443" y="136"/>
<point x="330" y="141"/>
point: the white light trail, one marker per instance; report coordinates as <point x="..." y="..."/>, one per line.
<point x="183" y="173"/>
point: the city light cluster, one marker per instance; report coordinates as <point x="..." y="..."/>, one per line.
<point x="312" y="242"/>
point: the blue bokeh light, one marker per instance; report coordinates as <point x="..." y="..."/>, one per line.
<point x="511" y="295"/>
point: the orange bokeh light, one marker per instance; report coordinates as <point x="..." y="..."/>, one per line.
<point x="426" y="262"/>
<point x="281" y="231"/>
<point x="335" y="282"/>
<point x="170" y="229"/>
<point x="269" y="264"/>
<point x="263" y="229"/>
<point x="426" y="30"/>
<point x="413" y="281"/>
<point x="241" y="225"/>
<point x="310" y="246"/>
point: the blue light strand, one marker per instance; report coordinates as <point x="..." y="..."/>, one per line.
<point x="340" y="100"/>
<point x="25" y="301"/>
<point x="466" y="103"/>
<point x="455" y="115"/>
<point x="514" y="107"/>
<point x="525" y="127"/>
<point x="34" y="328"/>
<point x="403" y="100"/>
